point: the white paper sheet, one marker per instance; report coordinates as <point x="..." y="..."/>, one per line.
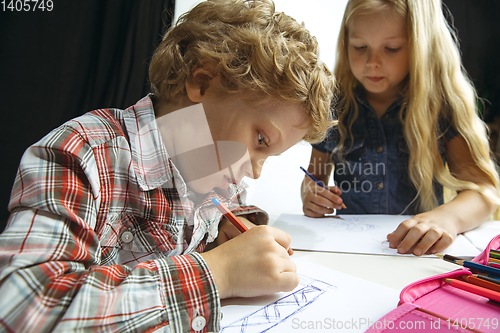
<point x="365" y="234"/>
<point x="325" y="300"/>
<point x="482" y="235"/>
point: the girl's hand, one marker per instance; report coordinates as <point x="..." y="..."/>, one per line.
<point x="319" y="201"/>
<point x="255" y="263"/>
<point x="425" y="233"/>
<point x="228" y="231"/>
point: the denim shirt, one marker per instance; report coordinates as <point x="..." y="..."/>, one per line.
<point x="374" y="175"/>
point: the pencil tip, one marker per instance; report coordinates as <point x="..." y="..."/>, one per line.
<point x="441" y="256"/>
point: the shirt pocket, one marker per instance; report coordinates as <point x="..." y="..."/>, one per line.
<point x="135" y="234"/>
<point x="351" y="171"/>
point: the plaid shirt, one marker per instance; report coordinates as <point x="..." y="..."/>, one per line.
<point x="100" y="239"/>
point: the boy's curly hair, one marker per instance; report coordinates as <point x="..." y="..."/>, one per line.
<point x="255" y="51"/>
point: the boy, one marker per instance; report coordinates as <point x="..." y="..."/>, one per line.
<point x="109" y="218"/>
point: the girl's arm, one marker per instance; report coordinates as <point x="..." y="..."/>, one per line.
<point x="316" y="200"/>
<point x="434" y="231"/>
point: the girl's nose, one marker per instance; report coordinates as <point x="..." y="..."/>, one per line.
<point x="373" y="60"/>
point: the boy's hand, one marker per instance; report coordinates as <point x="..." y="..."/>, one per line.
<point x="425" y="233"/>
<point x="253" y="264"/>
<point x="228" y="231"/>
<point x="319" y="201"/>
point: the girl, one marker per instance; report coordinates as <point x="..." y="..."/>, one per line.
<point x="408" y="126"/>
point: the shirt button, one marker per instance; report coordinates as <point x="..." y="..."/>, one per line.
<point x="380" y="149"/>
<point x="380" y="186"/>
<point x="126" y="237"/>
<point x="198" y="323"/>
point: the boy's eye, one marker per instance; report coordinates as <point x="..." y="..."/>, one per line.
<point x="359" y="48"/>
<point x="262" y="140"/>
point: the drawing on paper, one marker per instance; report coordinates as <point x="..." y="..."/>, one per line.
<point x="386" y="248"/>
<point x="353" y="223"/>
<point x="279" y="311"/>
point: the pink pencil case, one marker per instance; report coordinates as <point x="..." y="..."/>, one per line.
<point x="430" y="305"/>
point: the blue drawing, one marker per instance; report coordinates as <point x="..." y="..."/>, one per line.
<point x="279" y="311"/>
<point x="356" y="224"/>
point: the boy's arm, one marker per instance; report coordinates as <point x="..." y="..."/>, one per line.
<point x="50" y="280"/>
<point x="51" y="275"/>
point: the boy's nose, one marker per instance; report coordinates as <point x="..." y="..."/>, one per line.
<point x="254" y="168"/>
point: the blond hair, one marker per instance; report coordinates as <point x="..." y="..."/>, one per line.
<point x="437" y="87"/>
<point x="255" y="51"/>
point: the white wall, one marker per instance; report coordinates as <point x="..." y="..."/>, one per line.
<point x="278" y="188"/>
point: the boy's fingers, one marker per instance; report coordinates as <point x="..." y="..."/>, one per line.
<point x="282" y="238"/>
<point x="288" y="280"/>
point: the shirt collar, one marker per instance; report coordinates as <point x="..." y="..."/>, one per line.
<point x="361" y="98"/>
<point x="150" y="160"/>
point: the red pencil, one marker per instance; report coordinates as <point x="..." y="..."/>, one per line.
<point x="230" y="216"/>
<point x="492" y="295"/>
<point x="493" y="264"/>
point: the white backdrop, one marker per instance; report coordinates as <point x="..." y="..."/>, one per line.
<point x="278" y="188"/>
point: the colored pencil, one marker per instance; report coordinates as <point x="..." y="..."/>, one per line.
<point x="489" y="278"/>
<point x="494" y="255"/>
<point x="496" y="261"/>
<point x="318" y="182"/>
<point x="447" y="257"/>
<point x="493" y="264"/>
<point x="492" y="295"/>
<point x="474" y="279"/>
<point x="478" y="267"/>
<point x="230" y="216"/>
<point x="495" y="251"/>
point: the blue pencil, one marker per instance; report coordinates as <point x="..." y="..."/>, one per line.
<point x="317" y="181"/>
<point x="479" y="268"/>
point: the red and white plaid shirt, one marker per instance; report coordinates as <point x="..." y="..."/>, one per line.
<point x="100" y="240"/>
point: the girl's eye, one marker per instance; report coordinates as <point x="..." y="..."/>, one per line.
<point x="262" y="140"/>
<point x="390" y="49"/>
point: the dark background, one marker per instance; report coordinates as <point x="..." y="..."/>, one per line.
<point x="88" y="54"/>
<point x="57" y="65"/>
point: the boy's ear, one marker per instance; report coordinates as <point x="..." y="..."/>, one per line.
<point x="200" y="81"/>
